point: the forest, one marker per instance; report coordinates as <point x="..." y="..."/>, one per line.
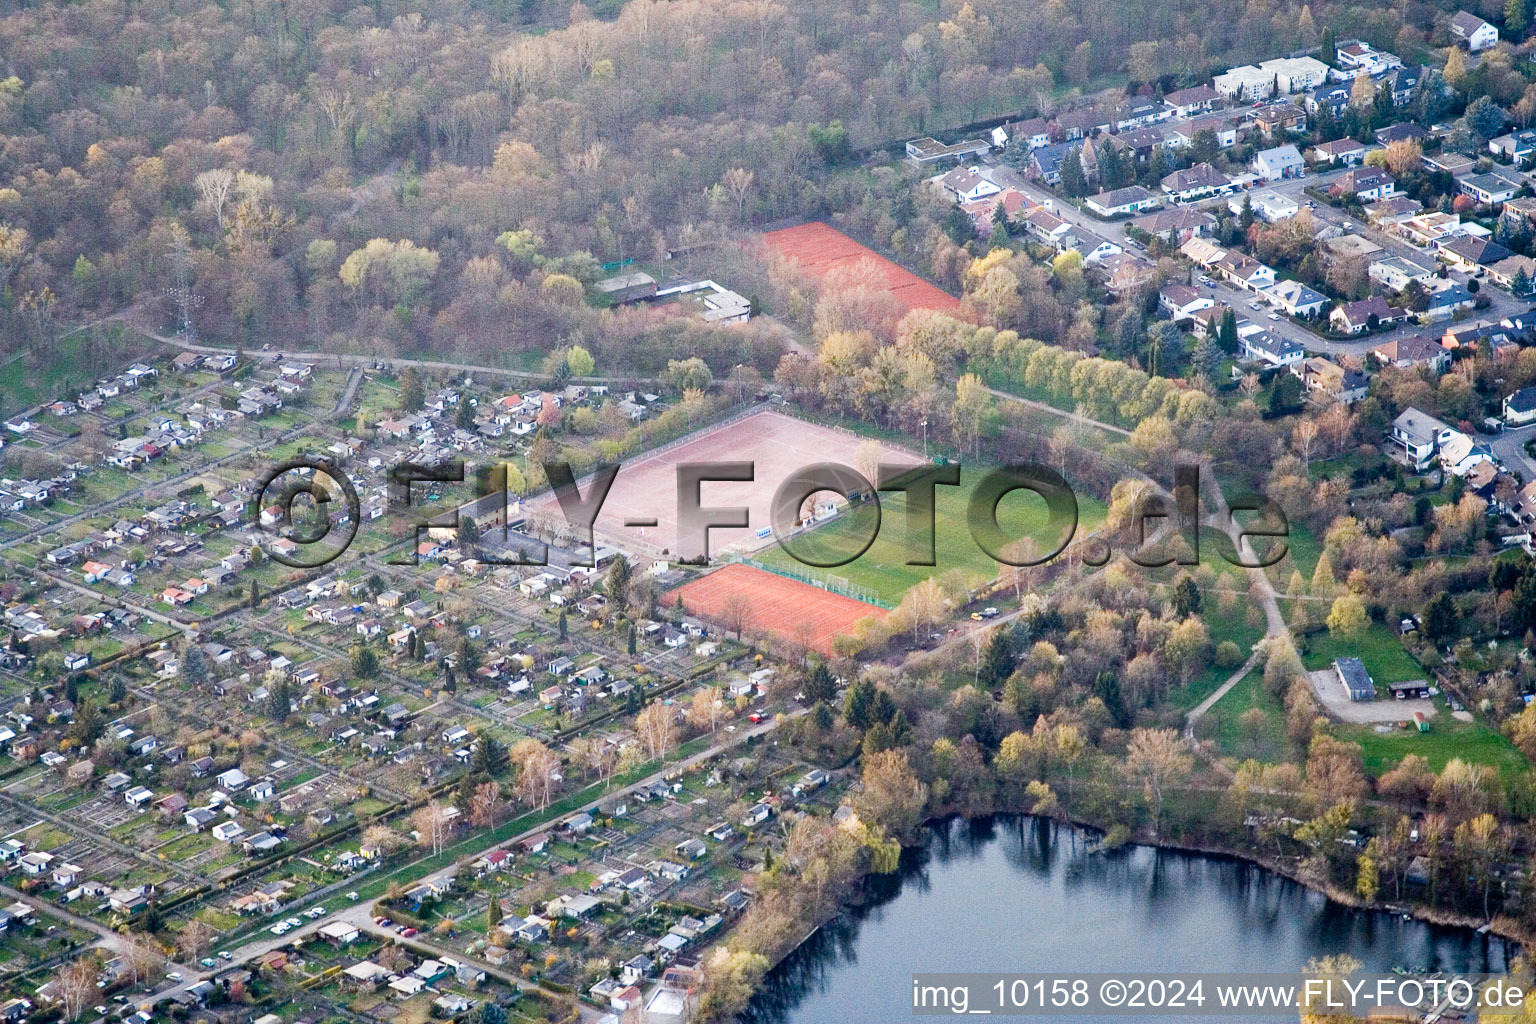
<point x="396" y="178"/>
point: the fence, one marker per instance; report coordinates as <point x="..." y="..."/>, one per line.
<point x="823" y="581"/>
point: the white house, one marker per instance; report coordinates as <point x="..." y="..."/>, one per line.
<point x="1476" y="33"/>
<point x="1245" y="84"/>
<point x="1280" y="162"/>
<point x="1520" y="407"/>
<point x="967" y="185"/>
<point x="1271" y="349"/>
<point x="1296" y="299"/>
<point x="1267" y="206"/>
<point x="1121" y="201"/>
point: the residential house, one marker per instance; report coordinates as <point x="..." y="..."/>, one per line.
<point x="1514" y="148"/>
<point x="1271" y="349"/>
<point x="966" y="185"/>
<point x="1395" y="273"/>
<point x="1279" y="163"/>
<point x="1473" y="31"/>
<point x="1245" y="84"/>
<point x="1415" y="350"/>
<point x="1401" y="84"/>
<point x="1296" y="299"/>
<point x="1386" y="212"/>
<point x="1491" y="189"/>
<point x="1366" y="314"/>
<point x="1513" y="271"/>
<point x="1327" y="380"/>
<point x="1344" y="151"/>
<point x="1270" y="207"/>
<point x="1364" y="183"/>
<point x="1127" y="272"/>
<point x="1446" y="299"/>
<point x="1245" y="271"/>
<point x="1181" y="301"/>
<point x="1178" y="224"/>
<point x="1520" y="407"/>
<point x="1470" y="254"/>
<point x="1195" y="183"/>
<point x="1121" y="202"/>
<point x="1415" y="438"/>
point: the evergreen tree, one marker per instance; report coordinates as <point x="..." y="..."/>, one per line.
<point x="194" y="666"/>
<point x="1440" y="617"/>
<point x="632" y="633"/>
<point x="1330" y="55"/>
<point x="493" y="914"/>
<point x="1284" y="394"/>
<point x="619" y="575"/>
<point x="1106" y="687"/>
<point x="563" y="628"/>
<point x="117" y="691"/>
<point x="1207" y="358"/>
<point x="1187" y="599"/>
<point x="1516" y="17"/>
<point x="412" y="391"/>
<point x="1227" y="334"/>
<point x="820" y="687"/>
<point x="255" y="594"/>
<point x="490" y="757"/>
<point x="859" y="704"/>
<point x="1073" y="183"/>
<point x="996" y="662"/>
<point x="279" y="700"/>
<point x="1520" y="284"/>
<point x="468" y="532"/>
<point x="464" y="415"/>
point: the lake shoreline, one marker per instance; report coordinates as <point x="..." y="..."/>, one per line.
<point x="1502" y="926"/>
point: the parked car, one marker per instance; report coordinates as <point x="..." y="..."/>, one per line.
<point x="352" y="896"/>
<point x="226" y="955"/>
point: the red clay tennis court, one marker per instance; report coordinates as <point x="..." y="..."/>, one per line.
<point x="785" y="608"/>
<point x="819" y="249"/>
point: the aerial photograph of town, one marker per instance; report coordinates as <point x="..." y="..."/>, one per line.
<point x="748" y="512"/>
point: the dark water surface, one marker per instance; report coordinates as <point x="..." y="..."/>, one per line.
<point x="1020" y="894"/>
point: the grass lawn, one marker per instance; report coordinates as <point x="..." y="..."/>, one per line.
<point x="1306" y="548"/>
<point x="883" y="570"/>
<point x="1447" y="738"/>
<point x="1232" y="739"/>
<point x="1377" y="647"/>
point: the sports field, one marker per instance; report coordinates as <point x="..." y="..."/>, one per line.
<point x="774" y="604"/>
<point x="882" y="570"/>
<point x="777" y="445"/>
<point x="820" y="249"/>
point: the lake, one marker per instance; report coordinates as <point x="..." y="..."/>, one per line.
<point x="1021" y="894"/>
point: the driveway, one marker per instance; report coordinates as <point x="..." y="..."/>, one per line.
<point x="1325" y="683"/>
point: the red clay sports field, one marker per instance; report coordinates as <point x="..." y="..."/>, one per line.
<point x="778" y="446"/>
<point x="786" y="608"/>
<point x="820" y="249"/>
